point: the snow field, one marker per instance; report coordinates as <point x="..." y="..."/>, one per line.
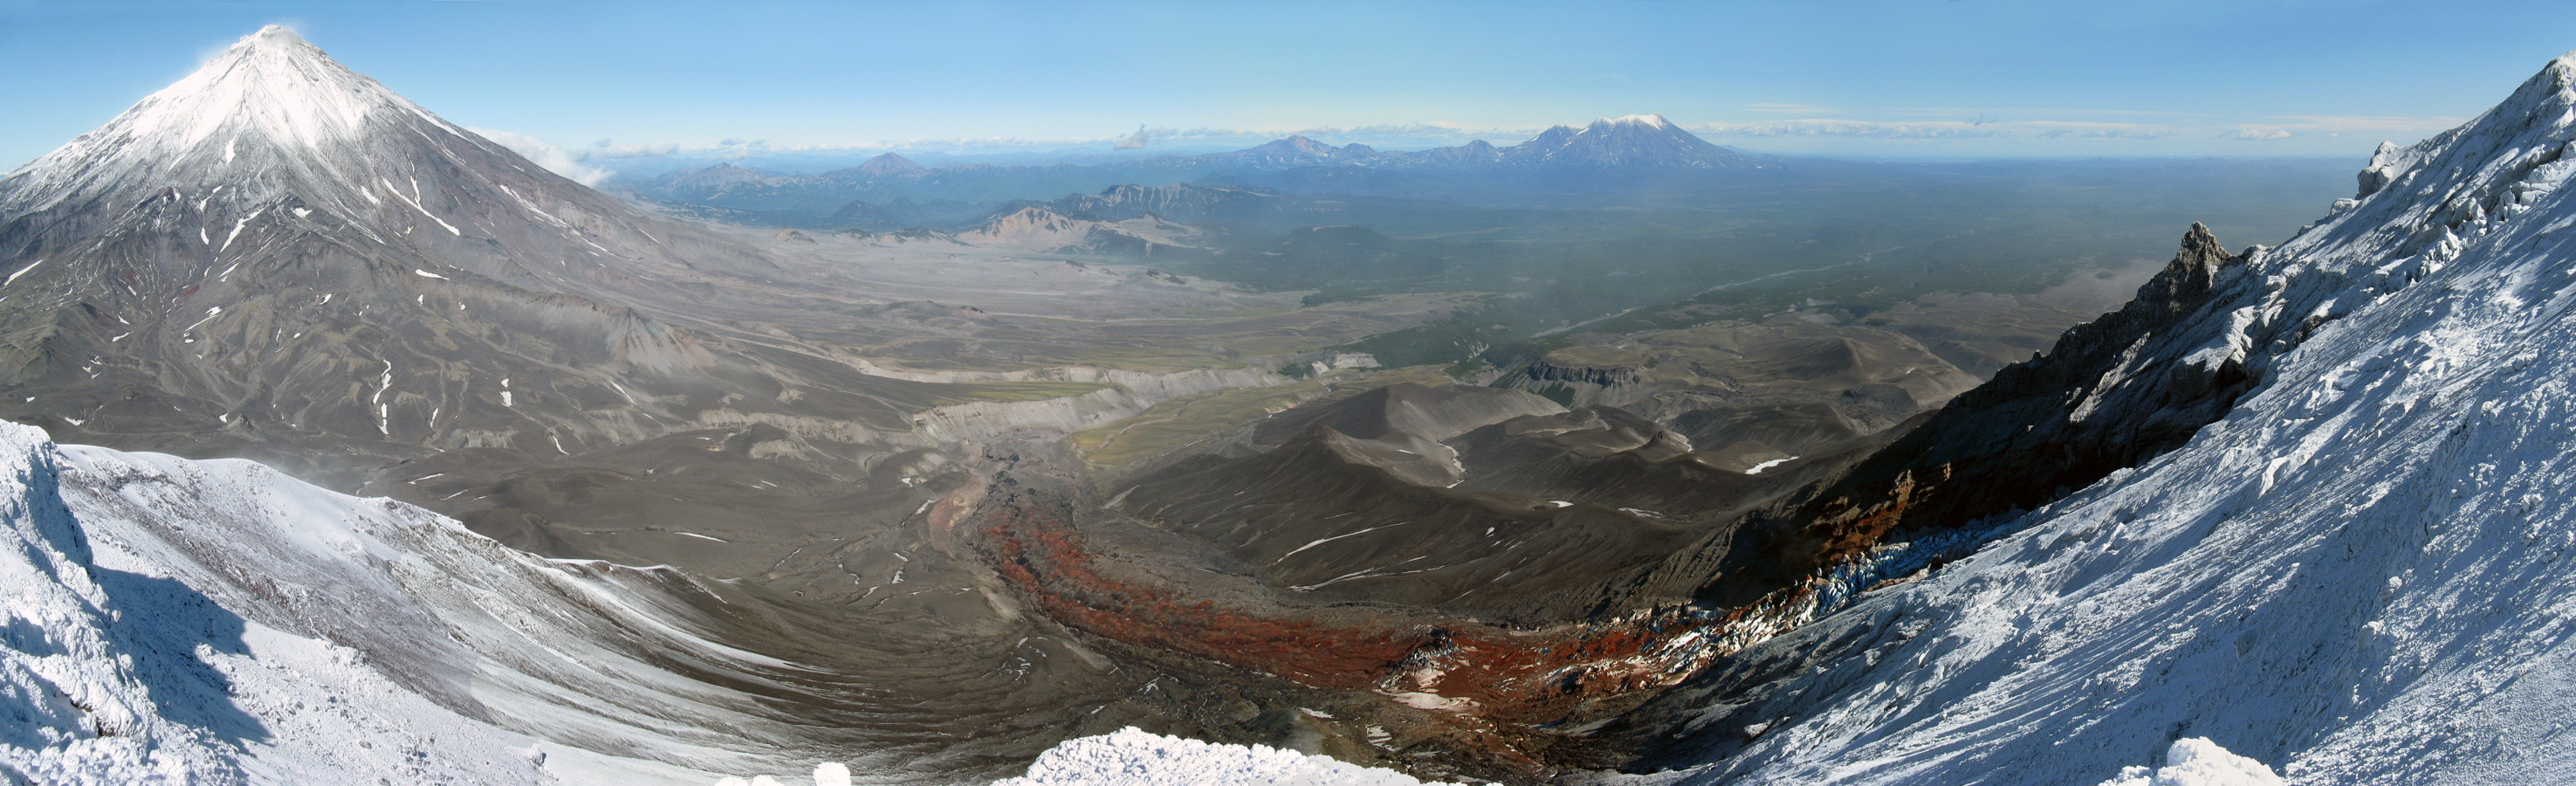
<point x="2199" y="762"/>
<point x="115" y="673"/>
<point x="216" y="622"/>
<point x="1130" y="757"/>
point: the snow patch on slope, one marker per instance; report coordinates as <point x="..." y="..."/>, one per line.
<point x="2199" y="762"/>
<point x="1130" y="757"/>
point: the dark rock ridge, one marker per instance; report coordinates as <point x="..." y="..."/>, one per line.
<point x="2110" y="395"/>
<point x="1571" y="385"/>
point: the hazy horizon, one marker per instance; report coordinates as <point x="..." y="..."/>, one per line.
<point x="999" y="81"/>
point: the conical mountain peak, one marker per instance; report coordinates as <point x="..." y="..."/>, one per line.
<point x="268" y="109"/>
<point x="271" y="138"/>
<point x="274" y="214"/>
<point x="890" y="164"/>
<point x="270" y="83"/>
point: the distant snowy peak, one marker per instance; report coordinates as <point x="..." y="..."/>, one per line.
<point x="1646" y="121"/>
<point x="1294" y="151"/>
<point x="1630" y="141"/>
<point x="1624" y="144"/>
<point x="1301" y="145"/>
<point x="889" y="165"/>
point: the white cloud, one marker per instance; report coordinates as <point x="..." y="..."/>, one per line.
<point x="1980" y="128"/>
<point x="2390" y="127"/>
<point x="1991" y="111"/>
<point x="2111" y="125"/>
<point x="607" y="149"/>
<point x="1141" y="138"/>
<point x="545" y="154"/>
<point x="2366" y="124"/>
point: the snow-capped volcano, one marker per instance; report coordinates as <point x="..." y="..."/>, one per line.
<point x="270" y="89"/>
<point x="278" y="257"/>
<point x="1631" y="141"/>
<point x="274" y="136"/>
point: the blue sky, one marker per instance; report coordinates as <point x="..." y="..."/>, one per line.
<point x="1918" y="78"/>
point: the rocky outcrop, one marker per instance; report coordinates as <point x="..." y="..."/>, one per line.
<point x="1582" y="385"/>
<point x="2111" y="394"/>
<point x="1039" y="228"/>
<point x="1031" y="227"/>
<point x="1177" y="202"/>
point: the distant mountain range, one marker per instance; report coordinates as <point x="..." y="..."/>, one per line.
<point x="1607" y="159"/>
<point x="1634" y="142"/>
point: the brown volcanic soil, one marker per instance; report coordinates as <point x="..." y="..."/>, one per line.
<point x="1504" y="693"/>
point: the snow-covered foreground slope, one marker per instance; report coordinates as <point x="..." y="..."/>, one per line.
<point x="219" y="622"/>
<point x="116" y="673"/>
<point x="2362" y="574"/>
